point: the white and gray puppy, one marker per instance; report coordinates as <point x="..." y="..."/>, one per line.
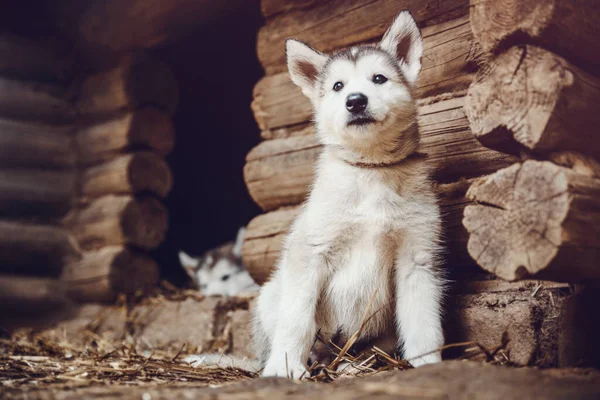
<point x="369" y="230"/>
<point x="370" y="227"/>
<point x="220" y="271"/>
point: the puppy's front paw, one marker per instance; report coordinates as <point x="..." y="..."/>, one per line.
<point x="432" y="358"/>
<point x="290" y="370"/>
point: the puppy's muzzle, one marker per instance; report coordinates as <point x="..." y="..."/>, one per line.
<point x="356" y="103"/>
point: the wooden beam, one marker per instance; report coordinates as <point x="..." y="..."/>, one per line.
<point x="135" y="173"/>
<point x="450" y="59"/>
<point x="145" y="128"/>
<point x="138" y="81"/>
<point x="528" y="97"/>
<point x="36" y="192"/>
<point x="102" y="274"/>
<point x="335" y="24"/>
<point x="269" y="8"/>
<point x="119" y="220"/>
<point x="28" y="249"/>
<point x="279" y="172"/>
<point x="535" y="219"/>
<point x="569" y="28"/>
<point x="31" y="144"/>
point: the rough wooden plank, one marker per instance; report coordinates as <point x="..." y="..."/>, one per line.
<point x="449" y="61"/>
<point x="36" y="192"/>
<point x="119" y="220"/>
<point x="269" y="8"/>
<point x="568" y="27"/>
<point x="535" y="219"/>
<point x="265" y="234"/>
<point x="279" y="172"/>
<point x="337" y="23"/>
<point x="530" y="97"/>
<point x="34" y="101"/>
<point x="28" y="249"/>
<point x="103" y="274"/>
<point x="138" y="81"/>
<point x="139" y="172"/>
<point x="145" y="128"/>
<point x="30" y="144"/>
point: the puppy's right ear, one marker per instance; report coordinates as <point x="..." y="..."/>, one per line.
<point x="187" y="261"/>
<point x="304" y="65"/>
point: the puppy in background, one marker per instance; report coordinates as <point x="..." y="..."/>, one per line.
<point x="220" y="271"/>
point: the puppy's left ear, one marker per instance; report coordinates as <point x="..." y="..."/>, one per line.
<point x="404" y="42"/>
<point x="239" y="241"/>
<point x="304" y="65"/>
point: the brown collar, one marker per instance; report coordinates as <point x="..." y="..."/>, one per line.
<point x="412" y="156"/>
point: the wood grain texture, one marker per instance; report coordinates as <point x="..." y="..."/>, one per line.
<point x="30" y="249"/>
<point x="103" y="274"/>
<point x="335" y="24"/>
<point x="535" y="219"/>
<point x="144" y="128"/>
<point x="138" y="81"/>
<point x="279" y="172"/>
<point x="528" y="97"/>
<point x="119" y="220"/>
<point x="31" y="144"/>
<point x="450" y="60"/>
<point x="36" y="192"/>
<point x="570" y="28"/>
<point x="134" y="173"/>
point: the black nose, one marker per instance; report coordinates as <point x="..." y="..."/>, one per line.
<point x="356" y="102"/>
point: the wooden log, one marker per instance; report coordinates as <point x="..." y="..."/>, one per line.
<point x="30" y="249"/>
<point x="145" y="128"/>
<point x="32" y="302"/>
<point x="530" y="98"/>
<point x="535" y="219"/>
<point x="265" y="234"/>
<point x="138" y="81"/>
<point x="279" y="172"/>
<point x="269" y="8"/>
<point x="102" y="274"/>
<point x="27" y="59"/>
<point x="36" y="192"/>
<point x="30" y="144"/>
<point x="569" y="28"/>
<point x="450" y="59"/>
<point x="140" y="172"/>
<point x="34" y="101"/>
<point x="119" y="220"/>
<point x="335" y="24"/>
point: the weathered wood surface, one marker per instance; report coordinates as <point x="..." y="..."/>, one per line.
<point x="30" y="144"/>
<point x="34" y="101"/>
<point x="270" y="8"/>
<point x="41" y="250"/>
<point x="265" y="234"/>
<point x="36" y="192"/>
<point x="145" y="128"/>
<point x="279" y="172"/>
<point x="567" y="27"/>
<point x="134" y="173"/>
<point x="102" y="274"/>
<point x="535" y="219"/>
<point x="335" y="24"/>
<point x="24" y="58"/>
<point x="34" y="302"/>
<point x="530" y="97"/>
<point x="138" y="81"/>
<point x="450" y="59"/>
<point x="119" y="220"/>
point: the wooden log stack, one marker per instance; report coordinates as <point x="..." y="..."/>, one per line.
<point x="278" y="171"/>
<point x="538" y="97"/>
<point x="124" y="135"/>
<point x="37" y="183"/>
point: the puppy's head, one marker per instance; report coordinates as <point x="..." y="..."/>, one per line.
<point x="362" y="97"/>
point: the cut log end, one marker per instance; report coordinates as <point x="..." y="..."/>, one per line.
<point x="530" y="219"/>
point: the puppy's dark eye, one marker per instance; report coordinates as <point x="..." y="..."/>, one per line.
<point x="225" y="277"/>
<point x="379" y="79"/>
<point x="338" y="86"/>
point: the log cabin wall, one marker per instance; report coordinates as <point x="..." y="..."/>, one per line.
<point x="454" y="117"/>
